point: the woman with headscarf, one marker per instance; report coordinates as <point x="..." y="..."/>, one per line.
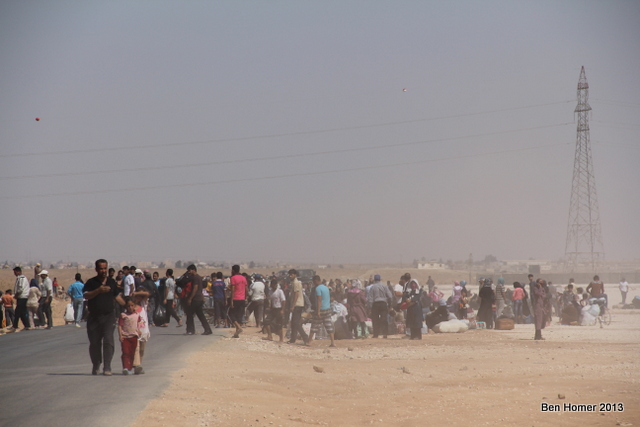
<point x="33" y="299"/>
<point x="411" y="299"/>
<point x="435" y="295"/>
<point x="539" y="307"/>
<point x="457" y="292"/>
<point x="487" y="298"/>
<point x="356" y="302"/>
<point x="457" y="300"/>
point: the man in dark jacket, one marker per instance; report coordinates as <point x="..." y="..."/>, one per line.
<point x="100" y="292"/>
<point x="194" y="303"/>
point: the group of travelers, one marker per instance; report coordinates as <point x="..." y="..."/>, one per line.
<point x="133" y="300"/>
<point x="32" y="299"/>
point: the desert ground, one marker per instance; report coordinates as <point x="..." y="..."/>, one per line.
<point x="479" y="377"/>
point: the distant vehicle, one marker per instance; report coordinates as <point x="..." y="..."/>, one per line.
<point x="304" y="274"/>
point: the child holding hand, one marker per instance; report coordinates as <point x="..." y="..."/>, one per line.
<point x="130" y="324"/>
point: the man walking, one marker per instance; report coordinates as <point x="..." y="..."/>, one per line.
<point x="76" y="293"/>
<point x="217" y="288"/>
<point x="195" y="302"/>
<point x="322" y="313"/>
<point x="100" y="292"/>
<point x="128" y="283"/>
<point x="379" y="300"/>
<point x="296" y="308"/>
<point x="238" y="288"/>
<point x="44" y="305"/>
<point x="170" y="297"/>
<point x="20" y="294"/>
<point x="256" y="306"/>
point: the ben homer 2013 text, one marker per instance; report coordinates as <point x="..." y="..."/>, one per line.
<point x="573" y="407"/>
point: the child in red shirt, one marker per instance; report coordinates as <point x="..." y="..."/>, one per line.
<point x="129" y="325"/>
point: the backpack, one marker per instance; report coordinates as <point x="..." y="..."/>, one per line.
<point x="184" y="286"/>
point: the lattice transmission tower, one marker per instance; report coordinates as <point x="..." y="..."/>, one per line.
<point x="584" y="246"/>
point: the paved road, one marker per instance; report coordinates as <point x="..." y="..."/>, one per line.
<point x="46" y="377"/>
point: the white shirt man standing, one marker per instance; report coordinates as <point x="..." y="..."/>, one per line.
<point x="624" y="288"/>
<point x="257" y="294"/>
<point x="44" y="305"/>
<point x="128" y="284"/>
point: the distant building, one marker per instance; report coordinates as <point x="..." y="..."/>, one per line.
<point x="432" y="265"/>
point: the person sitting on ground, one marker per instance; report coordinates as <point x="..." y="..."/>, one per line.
<point x="441" y="314"/>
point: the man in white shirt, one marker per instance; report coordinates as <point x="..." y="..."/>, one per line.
<point x="20" y="293"/>
<point x="257" y="294"/>
<point x="128" y="284"/>
<point x="624" y="288"/>
<point x="398" y="289"/>
<point x="44" y="305"/>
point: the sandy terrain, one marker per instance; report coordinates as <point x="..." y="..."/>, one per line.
<point x="481" y="377"/>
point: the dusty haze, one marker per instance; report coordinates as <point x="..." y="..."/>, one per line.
<point x="282" y="130"/>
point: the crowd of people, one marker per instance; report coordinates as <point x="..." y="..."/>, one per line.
<point x="132" y="300"/>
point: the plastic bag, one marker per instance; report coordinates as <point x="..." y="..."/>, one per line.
<point x="587" y="319"/>
<point x="160" y="315"/>
<point x="69" y="315"/>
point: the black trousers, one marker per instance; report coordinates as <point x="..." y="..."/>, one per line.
<point x="195" y="309"/>
<point x="171" y="312"/>
<point x="21" y="313"/>
<point x="296" y="325"/>
<point x="218" y="308"/>
<point x="257" y="308"/>
<point x="100" y="330"/>
<point x="379" y="312"/>
<point x="10" y="314"/>
<point x="44" y="309"/>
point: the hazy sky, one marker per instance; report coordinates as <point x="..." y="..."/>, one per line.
<point x="281" y="130"/>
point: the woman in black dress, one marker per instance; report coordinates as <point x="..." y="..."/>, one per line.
<point x="487" y="297"/>
<point x="411" y="299"/>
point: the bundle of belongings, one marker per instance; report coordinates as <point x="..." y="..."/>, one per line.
<point x="451" y="326"/>
<point x="441" y="321"/>
<point x="589" y="314"/>
<point x="507" y="320"/>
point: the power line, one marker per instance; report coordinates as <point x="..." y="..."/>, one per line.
<point x="269" y="158"/>
<point x="264" y="178"/>
<point x="636" y="146"/>
<point x="279" y="135"/>
<point x="617" y="103"/>
<point x="612" y="124"/>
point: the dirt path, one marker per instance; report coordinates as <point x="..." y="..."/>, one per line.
<point x="480" y="377"/>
